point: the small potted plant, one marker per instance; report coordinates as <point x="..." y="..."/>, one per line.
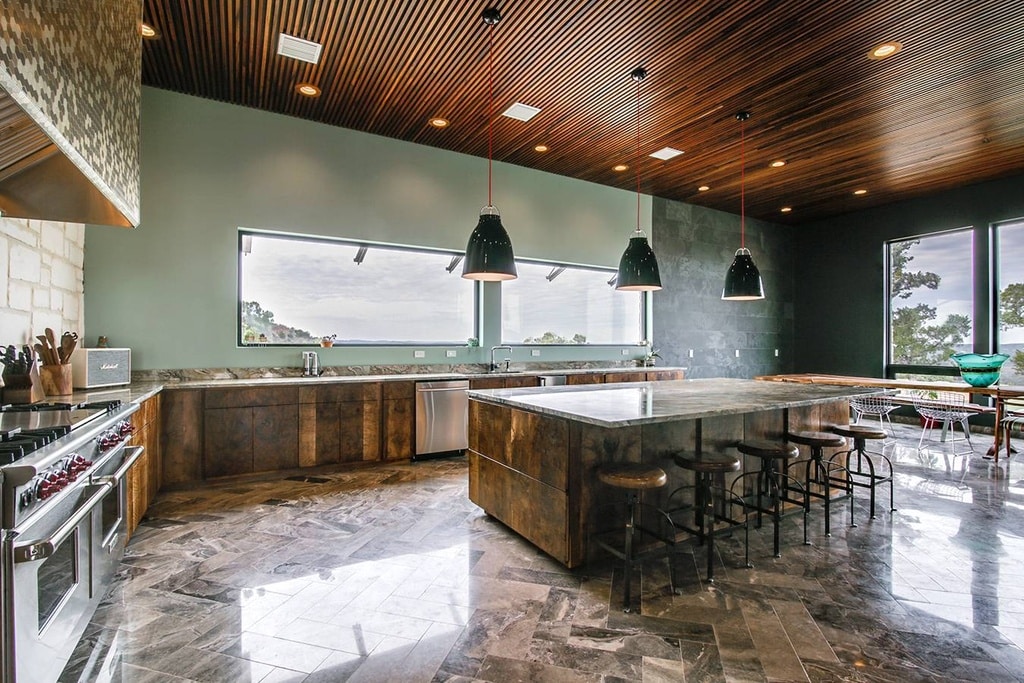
<point x="649" y="359"/>
<point x="328" y="341"/>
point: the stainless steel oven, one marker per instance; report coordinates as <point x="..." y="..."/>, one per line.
<point x="51" y="592"/>
<point x="64" y="510"/>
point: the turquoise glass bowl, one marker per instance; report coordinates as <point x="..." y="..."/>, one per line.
<point x="979" y="369"/>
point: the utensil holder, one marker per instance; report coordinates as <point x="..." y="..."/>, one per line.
<point x="56" y="379"/>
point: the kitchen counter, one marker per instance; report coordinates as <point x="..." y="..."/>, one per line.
<point x="640" y="403"/>
<point x="543" y="445"/>
<point x="263" y="380"/>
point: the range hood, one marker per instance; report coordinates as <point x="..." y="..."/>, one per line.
<point x="43" y="180"/>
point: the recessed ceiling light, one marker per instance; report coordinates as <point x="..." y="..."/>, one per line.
<point x="521" y="112"/>
<point x="860" y="192"/>
<point x="703" y="188"/>
<point x="307" y="89"/>
<point x="778" y="163"/>
<point x="885" y="50"/>
<point x="297" y="48"/>
<point x="148" y="31"/>
<point x="620" y="167"/>
<point x="786" y="209"/>
<point x="438" y="122"/>
<point x="666" y="153"/>
<point x="540" y="148"/>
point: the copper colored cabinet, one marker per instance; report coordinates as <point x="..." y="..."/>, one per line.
<point x="250" y="430"/>
<point x="143" y="479"/>
<point x="345" y="424"/>
<point x="398" y="419"/>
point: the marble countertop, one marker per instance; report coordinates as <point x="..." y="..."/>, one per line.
<point x="638" y="403"/>
<point x="224" y="382"/>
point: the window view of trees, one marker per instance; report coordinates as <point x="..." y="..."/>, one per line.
<point x="1010" y="241"/>
<point x="930" y="294"/>
<point x="931" y="298"/>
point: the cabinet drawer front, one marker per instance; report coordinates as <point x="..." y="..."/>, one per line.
<point x="237" y="397"/>
<point x="399" y="389"/>
<point x="351" y="391"/>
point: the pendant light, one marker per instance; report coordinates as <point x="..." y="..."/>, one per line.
<point x="638" y="267"/>
<point x="743" y="281"/>
<point x="489" y="254"/>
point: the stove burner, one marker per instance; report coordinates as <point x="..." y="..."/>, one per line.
<point x="36" y="407"/>
<point x="109" y="406"/>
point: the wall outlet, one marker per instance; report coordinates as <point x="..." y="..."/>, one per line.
<point x="690" y="354"/>
<point x="737" y="353"/>
<point x="625" y="352"/>
<point x="776" y="353"/>
<point x="535" y="352"/>
<point x="419" y="354"/>
<point x="449" y="354"/>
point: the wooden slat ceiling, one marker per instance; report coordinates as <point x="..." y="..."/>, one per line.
<point x="947" y="110"/>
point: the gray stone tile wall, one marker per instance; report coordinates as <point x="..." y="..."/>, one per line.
<point x="695" y="247"/>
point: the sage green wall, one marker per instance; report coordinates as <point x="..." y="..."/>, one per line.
<point x="168" y="290"/>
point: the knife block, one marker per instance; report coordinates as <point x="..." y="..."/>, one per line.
<point x="56" y="379"/>
<point x="22" y="388"/>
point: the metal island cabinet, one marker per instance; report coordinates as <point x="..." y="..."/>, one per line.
<point x="533" y="451"/>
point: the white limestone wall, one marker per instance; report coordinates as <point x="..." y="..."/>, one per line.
<point x="41" y="281"/>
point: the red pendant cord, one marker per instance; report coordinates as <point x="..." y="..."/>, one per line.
<point x="490" y="109"/>
<point x="637" y="162"/>
<point x="743" y="165"/>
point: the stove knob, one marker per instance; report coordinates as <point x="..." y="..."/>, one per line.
<point x="28" y="497"/>
<point x="47" y="487"/>
<point x="125" y="428"/>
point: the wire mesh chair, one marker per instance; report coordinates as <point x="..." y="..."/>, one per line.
<point x="1013" y="420"/>
<point x="944" y="409"/>
<point x="874" y="406"/>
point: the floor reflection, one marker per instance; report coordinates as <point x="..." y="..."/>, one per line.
<point x="391" y="574"/>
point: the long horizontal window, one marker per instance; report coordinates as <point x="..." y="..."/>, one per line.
<point x="551" y="303"/>
<point x="297" y="290"/>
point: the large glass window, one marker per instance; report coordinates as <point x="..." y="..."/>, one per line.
<point x="296" y="290"/>
<point x="551" y="303"/>
<point x="931" y="292"/>
<point x="1010" y="311"/>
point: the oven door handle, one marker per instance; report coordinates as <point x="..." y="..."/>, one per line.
<point x="39" y="550"/>
<point x="131" y="454"/>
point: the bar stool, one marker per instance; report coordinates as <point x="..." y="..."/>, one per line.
<point x="821" y="473"/>
<point x="706" y="468"/>
<point x="869" y="478"/>
<point x="633" y="478"/>
<point x="775" y="483"/>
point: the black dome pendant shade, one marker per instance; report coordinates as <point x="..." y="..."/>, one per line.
<point x="489" y="256"/>
<point x="743" y="280"/>
<point x="638" y="267"/>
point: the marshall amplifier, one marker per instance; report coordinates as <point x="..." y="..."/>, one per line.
<point x="92" y="368"/>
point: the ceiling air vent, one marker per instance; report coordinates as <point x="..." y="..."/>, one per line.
<point x="520" y="111"/>
<point x="297" y="48"/>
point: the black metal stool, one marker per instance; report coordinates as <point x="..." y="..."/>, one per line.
<point x="633" y="477"/>
<point x="820" y="473"/>
<point x="774" y="483"/>
<point x="869" y="478"/>
<point x="706" y="467"/>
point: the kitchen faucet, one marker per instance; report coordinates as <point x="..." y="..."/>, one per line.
<point x="508" y="360"/>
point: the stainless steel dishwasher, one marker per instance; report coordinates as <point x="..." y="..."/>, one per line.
<point x="442" y="415"/>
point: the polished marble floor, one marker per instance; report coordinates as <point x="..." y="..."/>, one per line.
<point x="391" y="574"/>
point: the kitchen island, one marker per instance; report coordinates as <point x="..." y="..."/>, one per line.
<point x="533" y="451"/>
